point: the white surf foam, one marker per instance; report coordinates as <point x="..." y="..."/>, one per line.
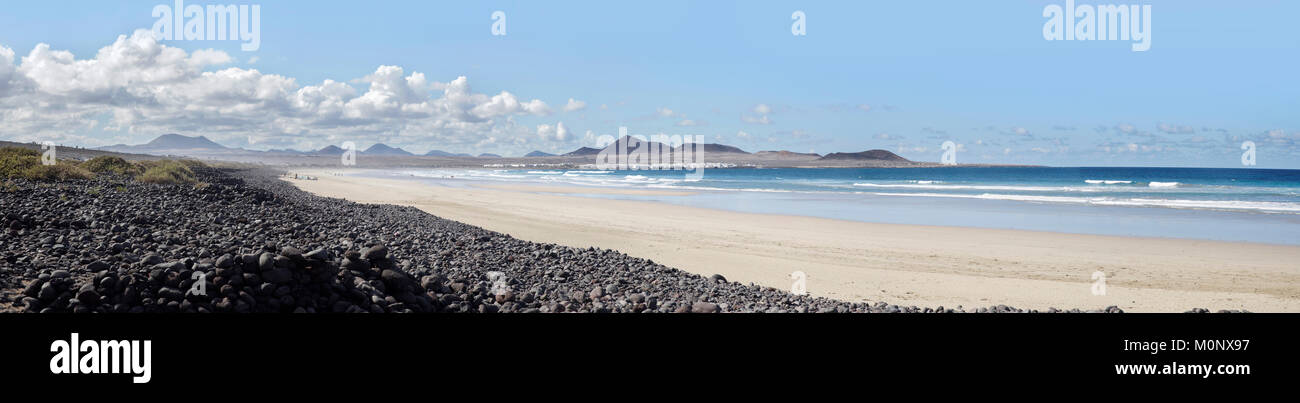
<point x="1234" y="205"/>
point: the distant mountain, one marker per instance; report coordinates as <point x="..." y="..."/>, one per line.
<point x="486" y="155"/>
<point x="330" y="150"/>
<point x="582" y="152"/>
<point x="285" y="151"/>
<point x="869" y="155"/>
<point x="176" y="142"/>
<point x="384" y="149"/>
<point x="440" y="153"/>
<point x="539" y="154"/>
<point x="633" y="143"/>
<point x="169" y="141"/>
<point x="786" y="154"/>
<point x="718" y="148"/>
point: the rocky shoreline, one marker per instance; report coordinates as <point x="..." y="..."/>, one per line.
<point x="245" y="241"/>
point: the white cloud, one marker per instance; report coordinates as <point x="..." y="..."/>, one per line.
<point x="665" y="112"/>
<point x="9" y="79"/>
<point x="865" y="107"/>
<point x="140" y="86"/>
<point x="742" y="135"/>
<point x="762" y="120"/>
<point x="574" y="105"/>
<point x="561" y="133"/>
<point x="545" y="131"/>
<point x="759" y="115"/>
<point x="557" y="132"/>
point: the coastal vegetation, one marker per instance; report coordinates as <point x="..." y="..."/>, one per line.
<point x="25" y="163"/>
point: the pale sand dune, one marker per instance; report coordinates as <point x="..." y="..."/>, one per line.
<point x="898" y="264"/>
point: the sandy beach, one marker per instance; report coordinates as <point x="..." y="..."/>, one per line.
<point x="857" y="261"/>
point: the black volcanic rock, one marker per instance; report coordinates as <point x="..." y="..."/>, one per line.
<point x="246" y="232"/>
<point x="869" y="155"/>
<point x="384" y="149"/>
<point x="539" y="154"/>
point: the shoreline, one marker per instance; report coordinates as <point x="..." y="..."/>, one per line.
<point x="869" y="262"/>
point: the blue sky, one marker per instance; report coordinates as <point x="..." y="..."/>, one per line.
<point x="898" y="75"/>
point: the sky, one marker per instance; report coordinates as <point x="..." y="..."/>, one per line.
<point x="905" y="76"/>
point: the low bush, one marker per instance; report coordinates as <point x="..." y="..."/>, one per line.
<point x="17" y="162"/>
<point x="166" y="172"/>
<point x="110" y="164"/>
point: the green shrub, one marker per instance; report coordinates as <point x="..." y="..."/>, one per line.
<point x="14" y="160"/>
<point x="105" y="164"/>
<point x="17" y="162"/>
<point x="19" y="151"/>
<point x="57" y="172"/>
<point x="193" y="163"/>
<point x="166" y="172"/>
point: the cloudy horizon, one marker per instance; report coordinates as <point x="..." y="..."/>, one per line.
<point x="729" y="71"/>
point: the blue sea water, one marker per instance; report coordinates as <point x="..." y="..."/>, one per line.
<point x="1256" y="205"/>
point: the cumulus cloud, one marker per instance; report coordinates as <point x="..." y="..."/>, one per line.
<point x="10" y="80"/>
<point x="759" y="115"/>
<point x="574" y="105"/>
<point x="138" y="85"/>
<point x="558" y="132"/>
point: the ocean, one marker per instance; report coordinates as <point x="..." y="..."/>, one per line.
<point x="1255" y="205"/>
